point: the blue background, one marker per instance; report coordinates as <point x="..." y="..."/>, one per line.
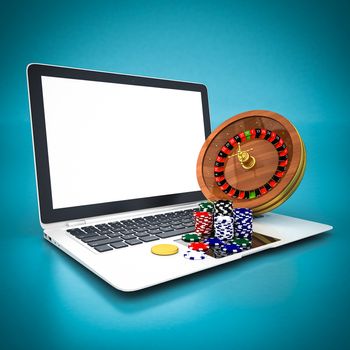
<point x="286" y="56"/>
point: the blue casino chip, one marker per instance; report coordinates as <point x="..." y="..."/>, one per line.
<point x="231" y="248"/>
<point x="214" y="242"/>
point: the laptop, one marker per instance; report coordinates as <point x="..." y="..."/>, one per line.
<point x="115" y="160"/>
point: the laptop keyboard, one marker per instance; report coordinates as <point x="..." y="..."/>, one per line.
<point x="125" y="233"/>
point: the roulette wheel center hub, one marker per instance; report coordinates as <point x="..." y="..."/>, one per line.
<point x="247" y="161"/>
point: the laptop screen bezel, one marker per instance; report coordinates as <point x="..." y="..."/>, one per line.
<point x="47" y="213"/>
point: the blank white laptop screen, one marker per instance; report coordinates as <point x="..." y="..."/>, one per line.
<point x="109" y="142"/>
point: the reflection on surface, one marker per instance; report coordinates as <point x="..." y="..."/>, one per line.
<point x="258" y="240"/>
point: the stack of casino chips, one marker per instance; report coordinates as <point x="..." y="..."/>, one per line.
<point x="223" y="207"/>
<point x="223" y="221"/>
<point x="243" y="224"/>
<point x="220" y="230"/>
<point x="203" y="219"/>
<point x="203" y="223"/>
<point x="223" y="227"/>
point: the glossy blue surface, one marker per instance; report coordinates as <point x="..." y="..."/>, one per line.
<point x="285" y="56"/>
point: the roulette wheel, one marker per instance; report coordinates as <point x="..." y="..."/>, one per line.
<point x="256" y="159"/>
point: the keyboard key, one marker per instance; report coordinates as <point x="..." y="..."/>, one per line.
<point x="85" y="234"/>
<point x="133" y="241"/>
<point x="102" y="226"/>
<point x="117" y="239"/>
<point x="123" y="232"/>
<point x="128" y="237"/>
<point x="150" y="219"/>
<point x="153" y="232"/>
<point x="153" y="227"/>
<point x="187" y="220"/>
<point x="90" y="229"/>
<point x="103" y="248"/>
<point x="115" y="225"/>
<point x="103" y="241"/>
<point x="188" y="224"/>
<point x="116" y="230"/>
<point x="129" y="227"/>
<point x="166" y="229"/>
<point x="76" y="232"/>
<point x="105" y="232"/>
<point x="176" y="222"/>
<point x="114" y="234"/>
<point x="127" y="223"/>
<point x="149" y="238"/>
<point x="128" y="232"/>
<point x="142" y="234"/>
<point x="177" y="226"/>
<point x="165" y="220"/>
<point x="140" y="229"/>
<point x="140" y="221"/>
<point x="118" y="245"/>
<point x="94" y="238"/>
<point x="175" y="233"/>
<point x="141" y="225"/>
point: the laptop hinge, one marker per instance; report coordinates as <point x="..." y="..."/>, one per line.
<point x="76" y="223"/>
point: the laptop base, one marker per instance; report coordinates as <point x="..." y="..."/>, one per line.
<point x="145" y="269"/>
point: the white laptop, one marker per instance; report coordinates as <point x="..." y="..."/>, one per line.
<point x="115" y="159"/>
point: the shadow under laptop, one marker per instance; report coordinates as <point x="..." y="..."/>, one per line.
<point x="171" y="293"/>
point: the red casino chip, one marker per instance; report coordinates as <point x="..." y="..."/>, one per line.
<point x="203" y="214"/>
<point x="199" y="246"/>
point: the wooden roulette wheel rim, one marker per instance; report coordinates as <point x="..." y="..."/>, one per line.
<point x="256" y="159"/>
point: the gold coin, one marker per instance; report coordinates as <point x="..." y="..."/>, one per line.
<point x="164" y="249"/>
